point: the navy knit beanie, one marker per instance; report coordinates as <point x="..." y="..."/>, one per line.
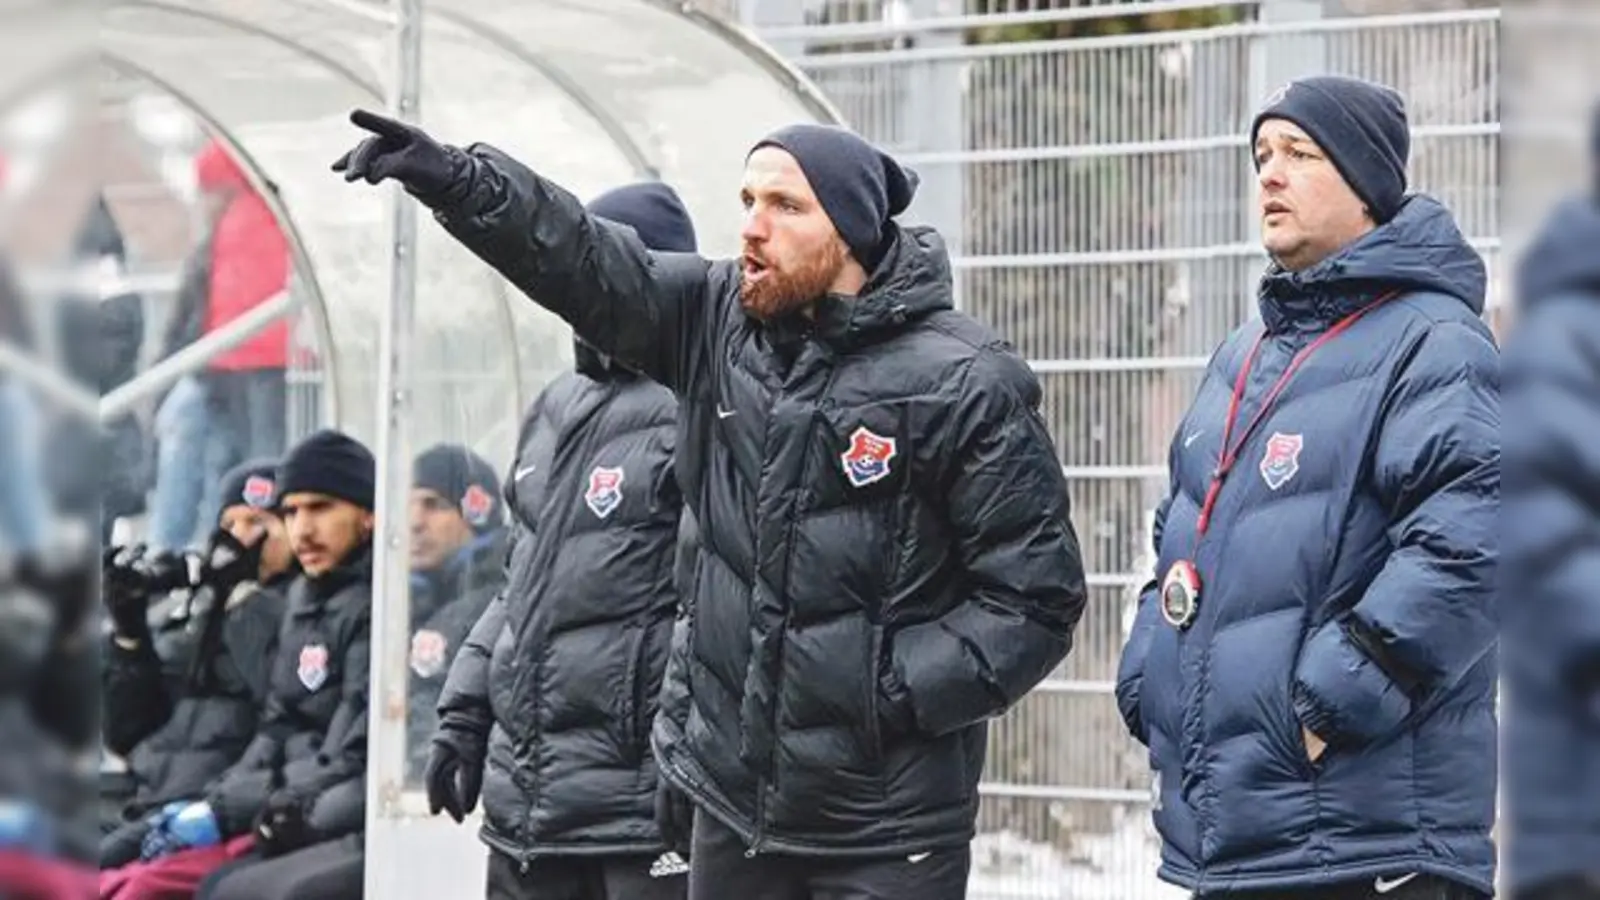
<point x="859" y="186"/>
<point x="333" y="464"/>
<point x="464" y="478"/>
<point x="653" y="210"/>
<point x="1362" y="127"/>
<point x="253" y="484"/>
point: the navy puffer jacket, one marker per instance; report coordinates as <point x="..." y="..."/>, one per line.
<point x="1347" y="584"/>
<point x="1552" y="615"/>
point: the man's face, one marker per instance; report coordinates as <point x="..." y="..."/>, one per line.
<point x="249" y="525"/>
<point x="792" y="253"/>
<point x="1307" y="211"/>
<point x="438" y="530"/>
<point x="323" y="530"/>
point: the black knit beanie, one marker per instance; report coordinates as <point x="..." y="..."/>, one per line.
<point x="1360" y="125"/>
<point x="330" y="463"/>
<point x="653" y="210"/>
<point x="464" y="478"/>
<point x="860" y="187"/>
<point x="253" y="484"/>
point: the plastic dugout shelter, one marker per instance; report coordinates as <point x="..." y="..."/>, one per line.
<point x="417" y="341"/>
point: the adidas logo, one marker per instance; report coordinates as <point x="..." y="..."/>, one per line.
<point x="668" y="864"/>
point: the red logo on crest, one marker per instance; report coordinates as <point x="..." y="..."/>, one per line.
<point x="1282" y="459"/>
<point x="476" y="504"/>
<point x="428" y="653"/>
<point x="258" y="491"/>
<point x="605" y="490"/>
<point x="313" y="670"/>
<point x="868" y="458"/>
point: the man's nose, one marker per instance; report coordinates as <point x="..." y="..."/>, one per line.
<point x="755" y="227"/>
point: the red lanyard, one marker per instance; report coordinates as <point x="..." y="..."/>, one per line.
<point x="1230" y="450"/>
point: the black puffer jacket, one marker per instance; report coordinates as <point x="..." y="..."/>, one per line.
<point x="879" y="503"/>
<point x="445" y="604"/>
<point x="180" y="721"/>
<point x="569" y="664"/>
<point x="312" y="742"/>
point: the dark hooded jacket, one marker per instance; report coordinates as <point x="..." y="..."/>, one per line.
<point x="562" y="674"/>
<point x="182" y="709"/>
<point x="1552" y="566"/>
<point x="1347" y="584"/>
<point x="886" y="557"/>
<point x="312" y="741"/>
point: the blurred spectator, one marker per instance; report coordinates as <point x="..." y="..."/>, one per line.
<point x="48" y="703"/>
<point x="94" y="470"/>
<point x="1552" y="526"/>
<point x="235" y="408"/>
<point x="458" y="558"/>
<point x="183" y="695"/>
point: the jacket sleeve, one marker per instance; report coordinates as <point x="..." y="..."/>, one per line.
<point x="240" y="792"/>
<point x="135" y="697"/>
<point x="1147" y="617"/>
<point x="647" y="309"/>
<point x="1552" y="502"/>
<point x="1428" y="617"/>
<point x="464" y="700"/>
<point x="674" y="698"/>
<point x="189" y="309"/>
<point x="1008" y="507"/>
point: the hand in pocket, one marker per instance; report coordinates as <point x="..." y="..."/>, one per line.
<point x="1315" y="746"/>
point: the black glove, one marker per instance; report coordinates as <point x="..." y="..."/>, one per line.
<point x="454" y="774"/>
<point x="281" y="827"/>
<point x="403" y="152"/>
<point x="228" y="563"/>
<point x="674" y="817"/>
<point x="126" y="597"/>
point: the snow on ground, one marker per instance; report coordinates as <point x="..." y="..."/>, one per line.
<point x="1116" y="866"/>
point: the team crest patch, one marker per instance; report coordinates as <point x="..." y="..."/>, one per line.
<point x="1282" y="459"/>
<point x="867" y="459"/>
<point x="476" y="504"/>
<point x="605" y="490"/>
<point x="313" y="670"/>
<point x="258" y="491"/>
<point x="428" y="653"/>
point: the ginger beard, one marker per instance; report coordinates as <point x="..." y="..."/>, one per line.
<point x="769" y="290"/>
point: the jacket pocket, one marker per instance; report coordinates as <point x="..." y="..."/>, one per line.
<point x="635" y="732"/>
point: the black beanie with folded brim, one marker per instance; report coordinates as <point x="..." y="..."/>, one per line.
<point x="253" y="484"/>
<point x="332" y="464"/>
<point x="1362" y="127"/>
<point x="860" y="187"/>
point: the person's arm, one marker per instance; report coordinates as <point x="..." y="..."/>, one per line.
<point x="650" y="310"/>
<point x="1147" y="618"/>
<point x="1428" y="617"/>
<point x="135" y="699"/>
<point x="1010" y="513"/>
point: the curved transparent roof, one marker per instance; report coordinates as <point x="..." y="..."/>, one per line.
<point x="594" y="93"/>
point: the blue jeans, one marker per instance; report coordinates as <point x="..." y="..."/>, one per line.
<point x="24" y="506"/>
<point x="193" y="454"/>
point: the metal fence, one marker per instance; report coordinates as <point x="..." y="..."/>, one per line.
<point x="1091" y="176"/>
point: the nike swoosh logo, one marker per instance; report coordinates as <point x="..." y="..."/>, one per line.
<point x="917" y="857"/>
<point x="1192" y="438"/>
<point x="1384" y="886"/>
<point x="724" y="413"/>
<point x="523" y="472"/>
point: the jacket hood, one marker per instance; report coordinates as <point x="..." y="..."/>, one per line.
<point x="913" y="280"/>
<point x="1420" y="249"/>
<point x="1565" y="256"/>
